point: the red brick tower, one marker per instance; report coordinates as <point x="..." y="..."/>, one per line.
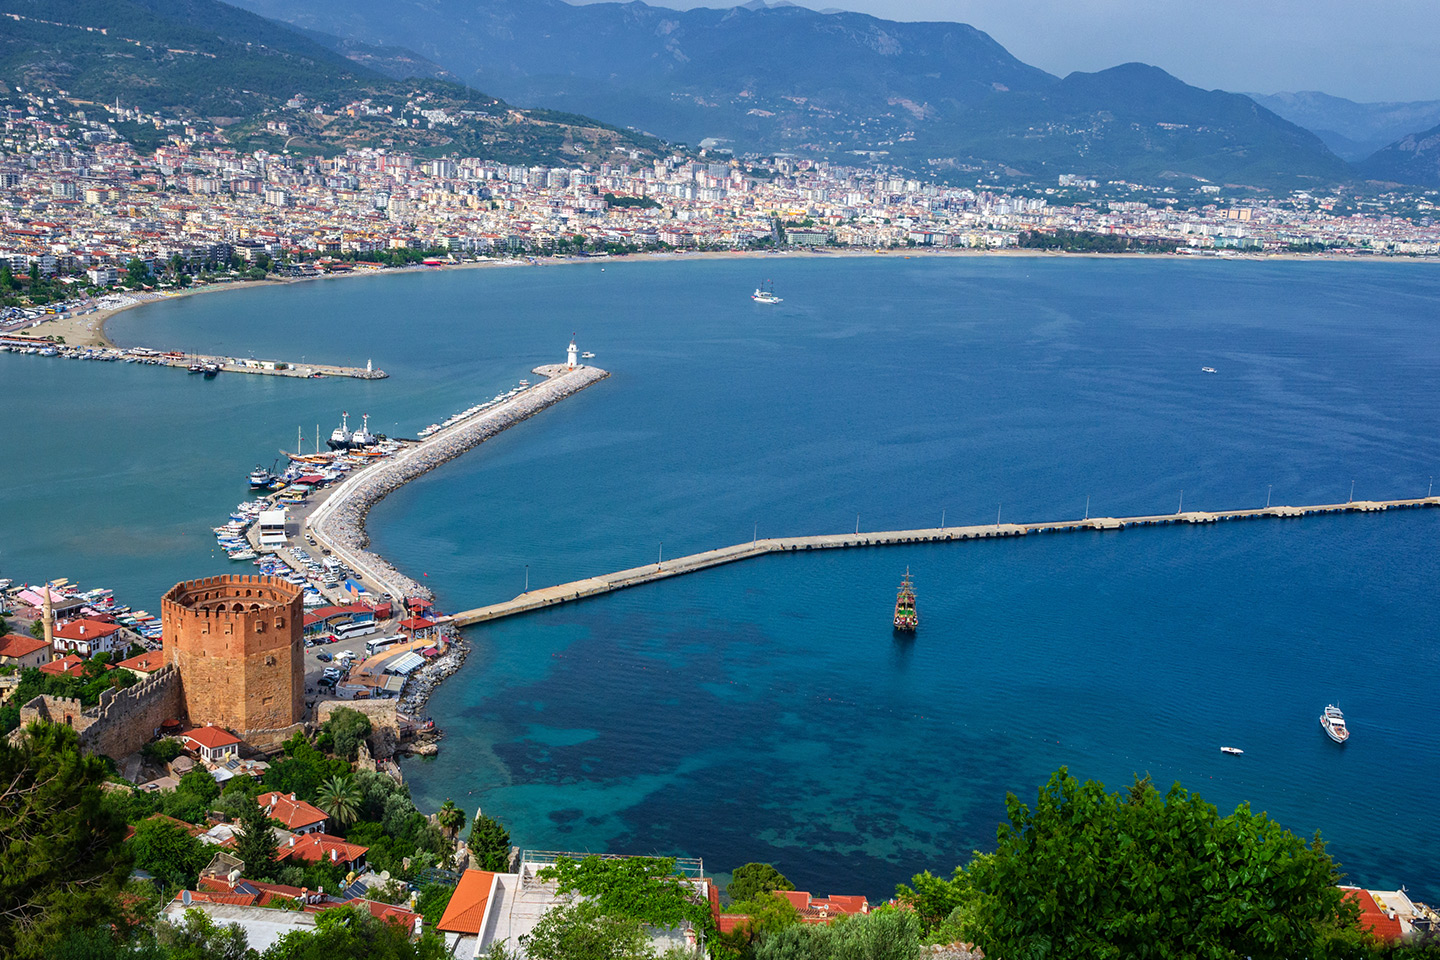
<point x="237" y="644"/>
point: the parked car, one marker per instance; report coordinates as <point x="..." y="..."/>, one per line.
<point x="324" y="657"/>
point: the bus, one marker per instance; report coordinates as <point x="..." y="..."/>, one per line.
<point x="377" y="644"/>
<point x="354" y="628"/>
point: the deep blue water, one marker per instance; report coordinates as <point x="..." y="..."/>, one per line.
<point x="764" y="711"/>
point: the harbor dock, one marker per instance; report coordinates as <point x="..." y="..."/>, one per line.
<point x="48" y="348"/>
<point x="338" y="523"/>
<point x="635" y="576"/>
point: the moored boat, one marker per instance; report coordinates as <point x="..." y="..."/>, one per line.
<point x="1332" y="721"/>
<point x="341" y="438"/>
<point x="906" y="618"/>
<point x="260" y="478"/>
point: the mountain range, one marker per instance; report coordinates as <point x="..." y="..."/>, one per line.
<point x="936" y="97"/>
<point x="205" y="59"/>
<point x="1352" y="130"/>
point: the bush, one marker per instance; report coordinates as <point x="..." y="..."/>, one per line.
<point x="162" y="751"/>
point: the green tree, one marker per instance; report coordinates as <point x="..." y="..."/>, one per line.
<point x="136" y="274"/>
<point x="753" y="879"/>
<point x="489" y="843"/>
<point x="347" y="729"/>
<point x="646" y="889"/>
<point x="340" y="798"/>
<point x="581" y="930"/>
<point x="61" y="857"/>
<point x="1088" y="874"/>
<point x="935" y="900"/>
<point x="432" y="902"/>
<point x="256" y="844"/>
<point x="349" y="933"/>
<point x="170" y="854"/>
<point x="197" y="937"/>
<point x="767" y="915"/>
<point x="450" y="818"/>
<point x="885" y="934"/>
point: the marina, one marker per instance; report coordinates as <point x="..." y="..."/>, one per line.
<point x="206" y="364"/>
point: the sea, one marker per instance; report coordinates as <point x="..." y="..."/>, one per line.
<point x="766" y="711"/>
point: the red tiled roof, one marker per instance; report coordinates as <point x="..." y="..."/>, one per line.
<point x="294" y="814"/>
<point x="321" y="846"/>
<point x="1372" y="918"/>
<point x="211" y="737"/>
<point x="466" y="910"/>
<point x="823" y="909"/>
<point x="85" y="629"/>
<point x="14" y="645"/>
<point x="147" y="662"/>
<point x="68" y="666"/>
<point x="385" y="911"/>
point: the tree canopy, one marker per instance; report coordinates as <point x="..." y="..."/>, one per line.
<point x="490" y="843"/>
<point x="1089" y="874"/>
<point x="646" y="889"/>
<point x="61" y="857"/>
<point x="753" y="879"/>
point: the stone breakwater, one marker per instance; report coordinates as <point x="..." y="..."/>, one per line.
<point x="339" y="523"/>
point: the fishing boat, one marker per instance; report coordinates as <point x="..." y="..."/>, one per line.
<point x="1332" y="721"/>
<point x="197" y="368"/>
<point x="211" y="370"/>
<point x="341" y="437"/>
<point x="765" y="293"/>
<point x="1233" y="751"/>
<point x="906" y="618"/>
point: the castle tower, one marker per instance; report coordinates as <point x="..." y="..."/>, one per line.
<point x="237" y="644"/>
<point x="571" y="357"/>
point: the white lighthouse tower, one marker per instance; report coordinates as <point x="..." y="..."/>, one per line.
<point x="570" y="356"/>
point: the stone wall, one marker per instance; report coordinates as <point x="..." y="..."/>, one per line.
<point x="384" y="722"/>
<point x="236" y="641"/>
<point x="123" y="721"/>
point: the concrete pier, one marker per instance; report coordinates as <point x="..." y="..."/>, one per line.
<point x="339" y="522"/>
<point x="605" y="583"/>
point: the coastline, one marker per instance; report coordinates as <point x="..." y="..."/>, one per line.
<point x="89" y="329"/>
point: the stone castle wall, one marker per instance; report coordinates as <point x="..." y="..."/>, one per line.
<point x="123" y="721"/>
<point x="236" y="641"/>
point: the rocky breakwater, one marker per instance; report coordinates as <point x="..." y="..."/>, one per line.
<point x="339" y="522"/>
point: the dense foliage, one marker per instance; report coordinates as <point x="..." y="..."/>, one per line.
<point x="886" y="934"/>
<point x="1087" y="241"/>
<point x="489" y="843"/>
<point x="1089" y="874"/>
<point x="61" y="860"/>
<point x="645" y="889"/>
<point x="753" y="879"/>
<point x="347" y="729"/>
<point x="94" y="680"/>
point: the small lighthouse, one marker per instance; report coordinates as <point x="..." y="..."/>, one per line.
<point x="570" y="356"/>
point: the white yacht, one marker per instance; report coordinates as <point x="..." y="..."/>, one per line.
<point x="1332" y="721"/>
<point x="765" y="293"/>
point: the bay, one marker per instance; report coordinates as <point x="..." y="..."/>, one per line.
<point x="764" y="711"/>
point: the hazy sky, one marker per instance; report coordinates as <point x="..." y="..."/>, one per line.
<point x="1360" y="49"/>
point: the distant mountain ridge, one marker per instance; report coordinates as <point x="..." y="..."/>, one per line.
<point x="1414" y="159"/>
<point x="210" y="60"/>
<point x="1353" y="130"/>
<point x="932" y="96"/>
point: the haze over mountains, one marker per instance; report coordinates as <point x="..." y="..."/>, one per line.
<point x="936" y="97"/>
<point x="1353" y="130"/>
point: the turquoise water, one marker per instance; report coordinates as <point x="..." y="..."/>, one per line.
<point x="764" y="710"/>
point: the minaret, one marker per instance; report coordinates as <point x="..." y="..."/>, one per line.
<point x="571" y="355"/>
<point x="49" y="622"/>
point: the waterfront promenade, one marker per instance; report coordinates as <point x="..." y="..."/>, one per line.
<point x="339" y="522"/>
<point x="635" y="576"/>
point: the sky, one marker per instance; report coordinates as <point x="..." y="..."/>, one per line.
<point x="1365" y="50"/>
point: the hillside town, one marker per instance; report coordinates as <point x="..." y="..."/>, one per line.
<point x="81" y="204"/>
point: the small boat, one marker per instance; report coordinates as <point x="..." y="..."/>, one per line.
<point x="1332" y="721"/>
<point x="1208" y="370"/>
<point x="765" y="293"/>
<point x="211" y="370"/>
<point x="197" y="368"/>
<point x="906" y="618"/>
<point x="587" y="355"/>
<point x="259" y="478"/>
<point x="1233" y="751"/>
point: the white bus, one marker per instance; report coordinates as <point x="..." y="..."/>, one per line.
<point x="355" y="628"/>
<point x="380" y="643"/>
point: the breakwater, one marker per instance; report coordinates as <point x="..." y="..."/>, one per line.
<point x="635" y="576"/>
<point x="339" y="522"/>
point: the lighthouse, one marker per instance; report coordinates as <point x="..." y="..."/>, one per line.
<point x="570" y="356"/>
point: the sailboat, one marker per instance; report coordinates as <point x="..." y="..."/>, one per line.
<point x="906" y="618"/>
<point x="765" y="293"/>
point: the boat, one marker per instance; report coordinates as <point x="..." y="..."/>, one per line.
<point x="906" y="618"/>
<point x="1233" y="751"/>
<point x="1208" y="370"/>
<point x="1332" y="721"/>
<point x="259" y="477"/>
<point x="587" y="355"/>
<point x="197" y="368"/>
<point x="211" y="370"/>
<point x="363" y="437"/>
<point x="341" y="437"/>
<point x="765" y="293"/>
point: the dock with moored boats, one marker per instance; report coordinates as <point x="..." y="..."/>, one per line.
<point x="209" y="364"/>
<point x="636" y="576"/>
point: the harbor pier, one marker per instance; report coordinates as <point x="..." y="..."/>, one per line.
<point x="635" y="576"/>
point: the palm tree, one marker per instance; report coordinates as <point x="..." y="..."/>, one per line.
<point x="340" y="798"/>
<point x="450" y="818"/>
